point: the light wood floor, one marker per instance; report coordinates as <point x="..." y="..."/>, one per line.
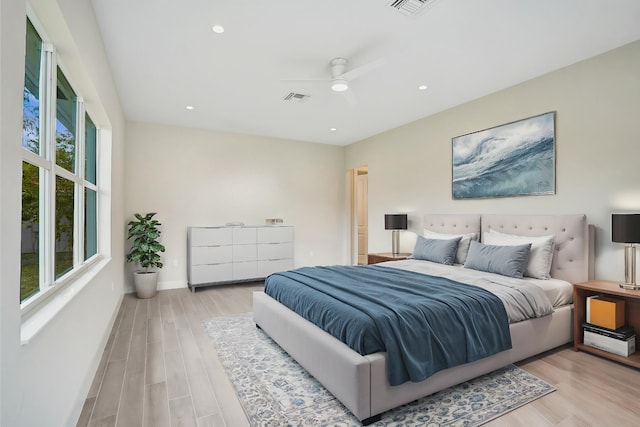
<point x="159" y="369"/>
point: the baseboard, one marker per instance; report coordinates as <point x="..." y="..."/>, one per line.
<point x="162" y="286"/>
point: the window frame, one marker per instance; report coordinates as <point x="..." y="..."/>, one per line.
<point x="48" y="285"/>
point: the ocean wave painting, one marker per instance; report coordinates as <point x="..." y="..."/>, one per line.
<point x="514" y="159"/>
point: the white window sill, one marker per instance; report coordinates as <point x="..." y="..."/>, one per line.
<point x="36" y="321"/>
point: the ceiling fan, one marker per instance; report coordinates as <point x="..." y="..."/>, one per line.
<point x="340" y="77"/>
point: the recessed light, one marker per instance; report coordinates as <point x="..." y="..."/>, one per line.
<point x="422" y="87"/>
<point x="189" y="107"/>
<point x="333" y="129"/>
<point x="218" y="29"/>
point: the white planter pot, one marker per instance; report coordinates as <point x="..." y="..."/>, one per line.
<point x="146" y="283"/>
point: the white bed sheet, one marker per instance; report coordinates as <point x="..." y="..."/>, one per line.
<point x="558" y="292"/>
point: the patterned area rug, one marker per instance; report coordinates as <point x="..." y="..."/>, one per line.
<point x="275" y="391"/>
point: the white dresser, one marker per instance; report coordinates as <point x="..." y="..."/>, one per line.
<point x="217" y="255"/>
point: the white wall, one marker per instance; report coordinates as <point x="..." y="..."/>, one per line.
<point x="45" y="382"/>
<point x="199" y="177"/>
<point x="597" y="153"/>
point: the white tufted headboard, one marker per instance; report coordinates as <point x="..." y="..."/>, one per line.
<point x="572" y="260"/>
<point x="572" y="244"/>
<point x="453" y="224"/>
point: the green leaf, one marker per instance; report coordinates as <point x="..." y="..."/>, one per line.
<point x="145" y="247"/>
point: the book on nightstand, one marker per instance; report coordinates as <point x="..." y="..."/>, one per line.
<point x="606" y="311"/>
<point x="588" y="306"/>
<point x="622" y="333"/>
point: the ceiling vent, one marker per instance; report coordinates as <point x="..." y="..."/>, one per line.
<point x="296" y="97"/>
<point x="410" y="7"/>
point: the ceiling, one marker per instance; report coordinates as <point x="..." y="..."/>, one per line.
<point x="165" y="56"/>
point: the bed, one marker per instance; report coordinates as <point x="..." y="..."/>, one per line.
<point x="361" y="382"/>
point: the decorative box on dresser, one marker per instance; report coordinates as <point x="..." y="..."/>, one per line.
<point x="631" y="318"/>
<point x="219" y="255"/>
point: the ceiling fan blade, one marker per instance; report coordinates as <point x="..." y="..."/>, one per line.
<point x="363" y="69"/>
<point x="306" y="80"/>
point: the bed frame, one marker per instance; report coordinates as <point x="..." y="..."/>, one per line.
<point x="360" y="382"/>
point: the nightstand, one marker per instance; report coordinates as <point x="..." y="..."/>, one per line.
<point x="386" y="256"/>
<point x="632" y="315"/>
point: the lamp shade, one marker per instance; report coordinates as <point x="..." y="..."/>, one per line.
<point x="625" y="228"/>
<point x="395" y="221"/>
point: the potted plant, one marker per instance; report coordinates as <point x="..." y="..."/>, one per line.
<point x="144" y="232"/>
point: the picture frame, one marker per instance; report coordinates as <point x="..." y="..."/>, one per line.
<point x="513" y="159"/>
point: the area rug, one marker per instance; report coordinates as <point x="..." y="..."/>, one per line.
<point x="275" y="391"/>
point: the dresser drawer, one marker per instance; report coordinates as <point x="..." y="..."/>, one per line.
<point x="243" y="253"/>
<point x="244" y="235"/>
<point x="245" y="270"/>
<point x="275" y="234"/>
<point x="203" y="236"/>
<point x="275" y="251"/>
<point x="266" y="268"/>
<point x="210" y="273"/>
<point x="211" y="255"/>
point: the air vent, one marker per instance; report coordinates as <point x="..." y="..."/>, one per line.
<point x="296" y="97"/>
<point x="410" y="7"/>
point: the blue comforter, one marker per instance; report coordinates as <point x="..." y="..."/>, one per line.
<point x="424" y="323"/>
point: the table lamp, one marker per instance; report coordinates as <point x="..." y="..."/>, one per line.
<point x="395" y="222"/>
<point x="625" y="228"/>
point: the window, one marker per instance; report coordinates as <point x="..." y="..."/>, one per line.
<point x="90" y="195"/>
<point x="59" y="175"/>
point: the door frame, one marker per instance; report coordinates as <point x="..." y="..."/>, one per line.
<point x="353" y="214"/>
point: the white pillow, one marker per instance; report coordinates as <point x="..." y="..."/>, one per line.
<point x="463" y="245"/>
<point x="540" y="257"/>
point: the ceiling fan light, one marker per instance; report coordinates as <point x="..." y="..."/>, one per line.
<point x="339" y="85"/>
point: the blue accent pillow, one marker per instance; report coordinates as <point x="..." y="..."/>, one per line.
<point x="436" y="250"/>
<point x="506" y="260"/>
